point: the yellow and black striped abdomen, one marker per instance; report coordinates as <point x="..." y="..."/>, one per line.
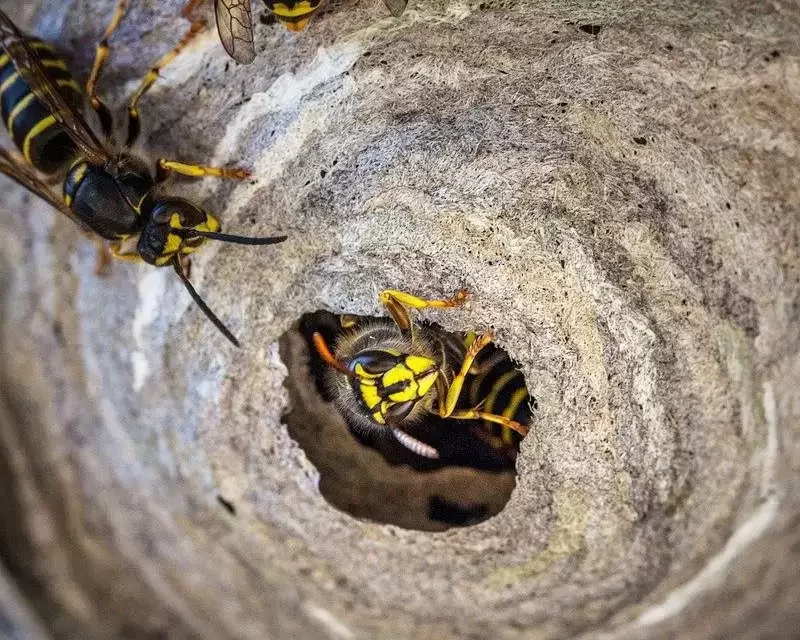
<point x="499" y="388"/>
<point x="30" y="123"/>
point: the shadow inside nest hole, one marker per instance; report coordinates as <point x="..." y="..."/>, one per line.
<point x="371" y="474"/>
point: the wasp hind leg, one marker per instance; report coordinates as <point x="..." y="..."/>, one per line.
<point x="134" y="124"/>
<point x="398" y="303"/>
<point x="164" y="168"/>
<point x="101" y="55"/>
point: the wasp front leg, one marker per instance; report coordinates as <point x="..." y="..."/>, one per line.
<point x="398" y="303"/>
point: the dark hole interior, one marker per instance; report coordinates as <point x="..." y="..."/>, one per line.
<point x="370" y="474"/>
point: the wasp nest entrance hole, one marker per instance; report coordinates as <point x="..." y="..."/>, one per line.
<point x="370" y="474"/>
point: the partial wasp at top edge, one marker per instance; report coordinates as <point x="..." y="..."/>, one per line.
<point x="235" y="21"/>
<point x="107" y="190"/>
<point x="392" y="373"/>
<point x="295" y="16"/>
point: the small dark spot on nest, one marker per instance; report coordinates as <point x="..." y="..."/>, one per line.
<point x="456" y="513"/>
<point x="58" y="332"/>
<point x="267" y="17"/>
<point x="322" y="173"/>
<point x="229" y="507"/>
<point x="668" y="47"/>
<point x="727" y="205"/>
<point x="591" y="29"/>
<point x="640" y="140"/>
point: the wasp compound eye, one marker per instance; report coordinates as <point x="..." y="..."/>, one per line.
<point x="374" y="362"/>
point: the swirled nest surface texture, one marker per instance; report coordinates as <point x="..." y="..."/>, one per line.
<point x="615" y="183"/>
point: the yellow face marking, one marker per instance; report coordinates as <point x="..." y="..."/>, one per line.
<point x="369" y="393"/>
<point x="42" y="125"/>
<point x="364" y="376"/>
<point x="426" y="383"/>
<point x="401" y="373"/>
<point x="209" y="224"/>
<point x="172" y="245"/>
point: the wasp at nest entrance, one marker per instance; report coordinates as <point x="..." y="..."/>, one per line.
<point x="407" y="423"/>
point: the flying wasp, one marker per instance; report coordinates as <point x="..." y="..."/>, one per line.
<point x="108" y="191"/>
<point x="391" y="373"/>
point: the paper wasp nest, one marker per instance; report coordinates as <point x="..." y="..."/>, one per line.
<point x="616" y="185"/>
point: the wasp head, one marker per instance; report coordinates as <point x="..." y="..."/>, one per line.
<point x="390" y="383"/>
<point x="175" y="228"/>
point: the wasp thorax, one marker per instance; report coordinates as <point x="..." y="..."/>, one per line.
<point x="168" y="232"/>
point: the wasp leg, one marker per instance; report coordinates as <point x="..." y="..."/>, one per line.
<point x="449" y="394"/>
<point x="475" y="414"/>
<point x="189" y="10"/>
<point x="165" y="167"/>
<point x="103" y="258"/>
<point x="124" y="250"/>
<point x="134" y="125"/>
<point x="100" y="56"/>
<point x="397" y="304"/>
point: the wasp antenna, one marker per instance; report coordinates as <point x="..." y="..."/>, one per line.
<point x="227" y="237"/>
<point x="325" y="353"/>
<point x="203" y="306"/>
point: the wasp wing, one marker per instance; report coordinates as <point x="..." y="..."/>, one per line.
<point x="235" y="28"/>
<point x="396" y="6"/>
<point x="30" y="68"/>
<point x="25" y="176"/>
